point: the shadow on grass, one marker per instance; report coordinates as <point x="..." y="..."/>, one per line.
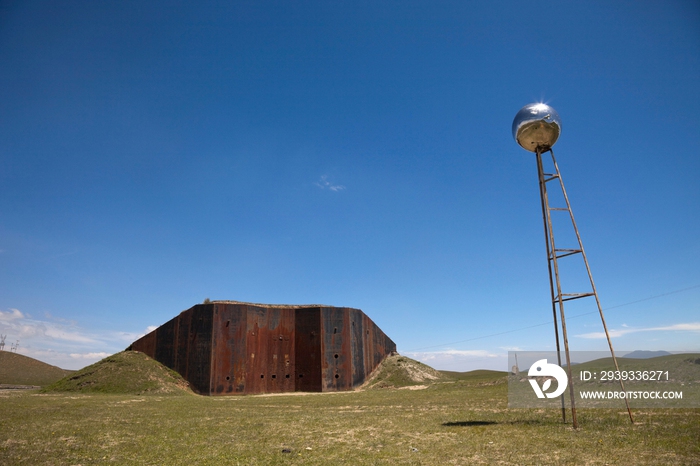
<point x="469" y="423"/>
<point x="490" y="423"/>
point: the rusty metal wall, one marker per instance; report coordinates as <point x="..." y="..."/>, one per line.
<point x="371" y="350"/>
<point x="382" y="345"/>
<point x="184" y="345"/>
<point x="228" y="374"/>
<point x="256" y="349"/>
<point x="280" y="354"/>
<point x="166" y="343"/>
<point x="307" y="354"/>
<point x="234" y="348"/>
<point x="367" y="345"/>
<point x="357" y="349"/>
<point x="336" y="355"/>
<point x="253" y="349"/>
<point x="270" y="342"/>
<point x="183" y="338"/>
<point x="199" y="348"/>
<point x="146" y="344"/>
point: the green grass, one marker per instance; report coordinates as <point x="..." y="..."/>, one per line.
<point x="482" y="375"/>
<point x="17" y="369"/>
<point x="461" y="420"/>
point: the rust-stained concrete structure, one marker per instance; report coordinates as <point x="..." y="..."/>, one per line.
<point x="231" y="348"/>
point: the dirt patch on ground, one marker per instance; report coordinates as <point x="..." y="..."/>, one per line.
<point x="414" y="387"/>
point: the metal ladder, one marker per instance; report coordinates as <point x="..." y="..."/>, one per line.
<point x="554" y="254"/>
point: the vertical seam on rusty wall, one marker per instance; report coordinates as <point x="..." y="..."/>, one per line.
<point x="214" y="308"/>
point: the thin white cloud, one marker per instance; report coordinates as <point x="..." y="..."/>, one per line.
<point x="63" y="254"/>
<point x="91" y="356"/>
<point x="68" y="335"/>
<point x="60" y="342"/>
<point x="65" y="360"/>
<point x="461" y="360"/>
<point x="53" y="318"/>
<point x="686" y="327"/>
<point x="13" y="314"/>
<point x="20" y="326"/>
<point x="511" y="348"/>
<point x="428" y="355"/>
<point x="324" y="183"/>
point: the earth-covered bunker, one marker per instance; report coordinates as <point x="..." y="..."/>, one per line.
<point x="231" y="348"/>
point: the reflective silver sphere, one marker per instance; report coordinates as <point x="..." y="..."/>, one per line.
<point x="536" y="126"/>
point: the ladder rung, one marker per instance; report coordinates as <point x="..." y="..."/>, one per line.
<point x="568" y="252"/>
<point x="571" y="296"/>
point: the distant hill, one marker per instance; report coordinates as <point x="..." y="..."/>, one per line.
<point x="128" y="372"/>
<point x="642" y="354"/>
<point x="477" y="376"/>
<point x="681" y="366"/>
<point x="17" y="369"/>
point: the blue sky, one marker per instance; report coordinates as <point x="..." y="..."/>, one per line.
<point x="154" y="154"/>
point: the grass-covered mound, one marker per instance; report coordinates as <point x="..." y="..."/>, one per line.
<point x="16" y="369"/>
<point x="399" y="371"/>
<point x="128" y="372"/>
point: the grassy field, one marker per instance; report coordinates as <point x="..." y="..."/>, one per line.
<point x="458" y="419"/>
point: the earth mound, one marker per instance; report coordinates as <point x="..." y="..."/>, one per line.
<point x="128" y="372"/>
<point x="398" y="371"/>
<point x="17" y="369"/>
